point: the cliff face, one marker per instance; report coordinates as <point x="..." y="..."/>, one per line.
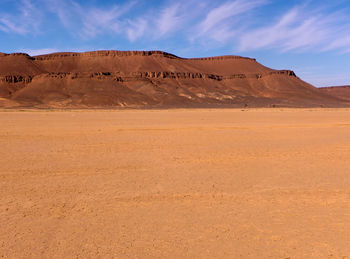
<point x="150" y="79"/>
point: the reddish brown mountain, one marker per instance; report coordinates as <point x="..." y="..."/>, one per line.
<point x="341" y="92"/>
<point x="150" y="79"/>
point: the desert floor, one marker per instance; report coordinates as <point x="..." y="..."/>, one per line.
<point x="265" y="183"/>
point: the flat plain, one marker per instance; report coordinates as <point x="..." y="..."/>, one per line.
<point x="197" y="183"/>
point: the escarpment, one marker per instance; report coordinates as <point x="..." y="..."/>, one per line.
<point x="151" y="79"/>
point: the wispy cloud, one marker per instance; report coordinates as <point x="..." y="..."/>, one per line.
<point x="221" y="22"/>
<point x="158" y="24"/>
<point x="8" y="24"/>
<point x="241" y="25"/>
<point x="98" y="21"/>
<point x="26" y="18"/>
<point x="225" y="11"/>
<point x="136" y="29"/>
<point x="341" y="42"/>
<point x="170" y="20"/>
<point x="299" y="30"/>
<point x="90" y="21"/>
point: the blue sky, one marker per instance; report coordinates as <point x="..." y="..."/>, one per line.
<point x="310" y="37"/>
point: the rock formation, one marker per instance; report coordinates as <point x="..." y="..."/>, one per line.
<point x="341" y="92"/>
<point x="151" y="79"/>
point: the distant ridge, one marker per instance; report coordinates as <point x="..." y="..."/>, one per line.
<point x="335" y="87"/>
<point x="341" y="92"/>
<point x="115" y="53"/>
<point x="151" y="79"/>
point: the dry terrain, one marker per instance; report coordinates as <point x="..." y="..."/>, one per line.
<point x="342" y="92"/>
<point x="265" y="183"/>
<point x="144" y="79"/>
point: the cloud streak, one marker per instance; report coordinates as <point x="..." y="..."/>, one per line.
<point x="222" y="22"/>
<point x="219" y="15"/>
<point x="89" y="21"/>
<point x="160" y="24"/>
<point x="232" y="23"/>
<point x="26" y="19"/>
<point x="169" y="20"/>
<point x="300" y="30"/>
<point x="136" y="29"/>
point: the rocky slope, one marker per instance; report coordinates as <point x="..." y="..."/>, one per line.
<point x="144" y="79"/>
<point x="341" y="92"/>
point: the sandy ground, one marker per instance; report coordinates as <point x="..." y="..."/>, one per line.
<point x="175" y="184"/>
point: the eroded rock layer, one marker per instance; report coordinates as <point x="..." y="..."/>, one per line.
<point x="144" y="79"/>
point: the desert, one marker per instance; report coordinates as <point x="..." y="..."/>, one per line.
<point x="175" y="183"/>
<point x="174" y="129"/>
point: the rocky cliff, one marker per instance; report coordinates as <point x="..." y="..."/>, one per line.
<point x="145" y="79"/>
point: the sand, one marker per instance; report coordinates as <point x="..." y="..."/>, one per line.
<point x="265" y="183"/>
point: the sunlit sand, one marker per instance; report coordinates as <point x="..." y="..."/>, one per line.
<point x="266" y="183"/>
